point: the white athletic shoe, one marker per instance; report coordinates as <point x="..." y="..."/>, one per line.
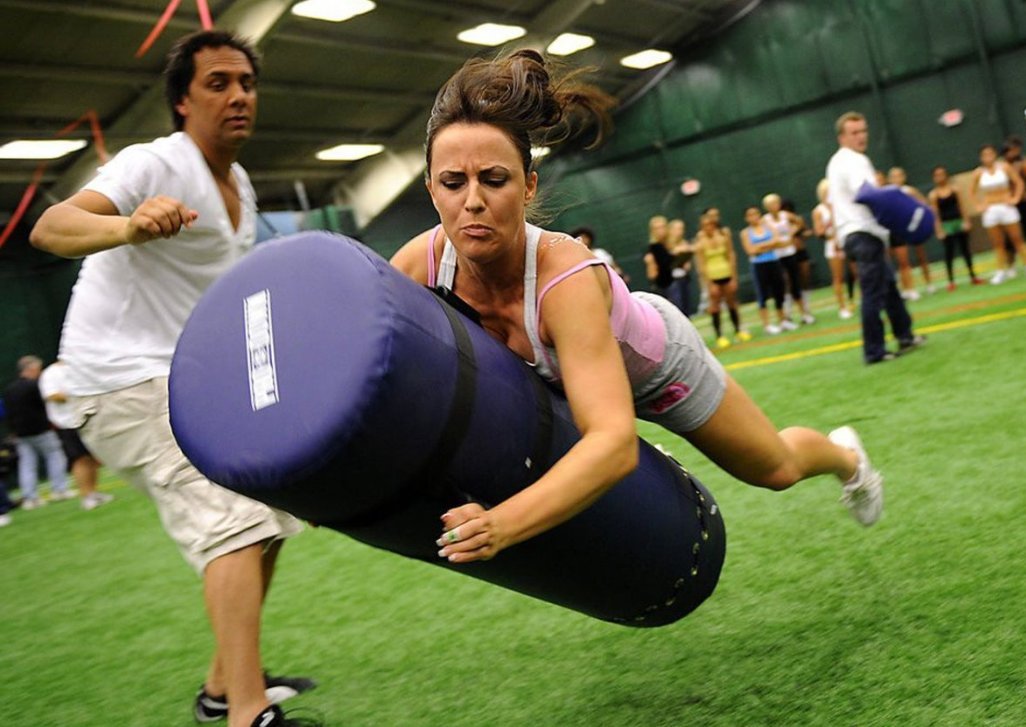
<point x="1010" y="273"/>
<point x="93" y="501"/>
<point x="32" y="503"/>
<point x="5" y="520"/>
<point x="998" y="278"/>
<point x="808" y="319"/>
<point x="771" y="329"/>
<point x="845" y="314"/>
<point x="62" y="495"/>
<point x="788" y="325"/>
<point x="910" y="294"/>
<point x="863" y="493"/>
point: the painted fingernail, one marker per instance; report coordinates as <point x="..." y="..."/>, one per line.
<point x="441" y="554"/>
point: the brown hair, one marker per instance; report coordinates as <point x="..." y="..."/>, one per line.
<point x="522" y="94"/>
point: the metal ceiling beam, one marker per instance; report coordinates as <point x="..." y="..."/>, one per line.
<point x="254" y="19"/>
<point x="79" y="74"/>
<point x="77" y="9"/>
<point x="337" y="93"/>
<point x="382" y="47"/>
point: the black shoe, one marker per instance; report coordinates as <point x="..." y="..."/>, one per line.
<point x="880" y="359"/>
<point x="274" y="717"/>
<point x="910" y="344"/>
<point x="210" y="708"/>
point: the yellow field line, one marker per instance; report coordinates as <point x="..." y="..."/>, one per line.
<point x="847" y="345"/>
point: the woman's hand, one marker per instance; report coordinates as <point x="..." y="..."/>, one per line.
<point x="471" y="533"/>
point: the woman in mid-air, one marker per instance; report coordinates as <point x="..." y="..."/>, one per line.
<point x="615" y="354"/>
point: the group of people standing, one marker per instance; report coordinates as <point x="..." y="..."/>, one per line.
<point x="774" y="240"/>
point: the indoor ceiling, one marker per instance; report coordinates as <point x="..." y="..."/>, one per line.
<point x="371" y="79"/>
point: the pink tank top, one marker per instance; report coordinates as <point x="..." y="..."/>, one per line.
<point x="637" y="326"/>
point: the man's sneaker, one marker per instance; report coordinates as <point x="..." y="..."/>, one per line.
<point x="998" y="278"/>
<point x="788" y="325"/>
<point x="771" y="329"/>
<point x="280" y="688"/>
<point x="863" y="493"/>
<point x="910" y="344"/>
<point x="95" y="499"/>
<point x="846" y="313"/>
<point x="211" y="708"/>
<point x="274" y="717"/>
<point x="808" y="319"/>
<point x="881" y="359"/>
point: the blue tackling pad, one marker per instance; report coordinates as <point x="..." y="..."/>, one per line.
<point x="318" y="379"/>
<point x="902" y="214"/>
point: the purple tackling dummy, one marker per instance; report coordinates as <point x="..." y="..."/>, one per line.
<point x="318" y="379"/>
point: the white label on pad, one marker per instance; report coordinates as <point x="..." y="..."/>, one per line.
<point x="263" y="378"/>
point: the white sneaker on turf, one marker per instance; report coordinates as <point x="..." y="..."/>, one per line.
<point x="1010" y="273"/>
<point x="998" y="278"/>
<point x="808" y="319"/>
<point x="32" y="503"/>
<point x="863" y="493"/>
<point x="5" y="520"/>
<point x="845" y="314"/>
<point x="94" y="500"/>
<point x="771" y="329"/>
<point x="788" y="325"/>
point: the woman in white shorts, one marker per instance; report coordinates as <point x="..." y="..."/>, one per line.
<point x="823" y="226"/>
<point x="997" y="189"/>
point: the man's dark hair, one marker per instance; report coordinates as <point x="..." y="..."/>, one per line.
<point x="577" y="232"/>
<point x="181" y="64"/>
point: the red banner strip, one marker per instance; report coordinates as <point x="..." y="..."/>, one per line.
<point x="204" y="13"/>
<point x="26" y="198"/>
<point x="158" y="28"/>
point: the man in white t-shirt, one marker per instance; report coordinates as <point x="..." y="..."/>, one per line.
<point x="865" y="242"/>
<point x="159" y="223"/>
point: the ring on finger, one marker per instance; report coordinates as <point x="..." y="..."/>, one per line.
<point x="452" y="536"/>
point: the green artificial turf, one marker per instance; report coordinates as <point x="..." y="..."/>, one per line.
<point x="816" y="620"/>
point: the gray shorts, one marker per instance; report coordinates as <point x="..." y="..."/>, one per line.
<point x="129" y="431"/>
<point x="687" y="388"/>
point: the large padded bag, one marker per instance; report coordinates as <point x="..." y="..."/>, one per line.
<point x="315" y="377"/>
<point x="902" y="214"/>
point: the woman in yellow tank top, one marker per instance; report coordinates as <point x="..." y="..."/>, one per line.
<point x="714" y="252"/>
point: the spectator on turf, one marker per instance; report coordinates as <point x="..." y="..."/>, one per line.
<point x="587" y="236"/>
<point x="714" y="254"/>
<point x="26" y="416"/>
<point x="823" y="226"/>
<point x="168" y="217"/>
<point x="953" y="223"/>
<point x="683" y="253"/>
<point x="658" y="259"/>
<point x="543" y="297"/>
<point x="865" y="241"/>
<point x="7" y="457"/>
<point x="84" y="467"/>
<point x="800" y="236"/>
<point x="900" y="246"/>
<point x="997" y="189"/>
<point x="760" y="242"/>
<point x="786" y="224"/>
<point x="1011" y="151"/>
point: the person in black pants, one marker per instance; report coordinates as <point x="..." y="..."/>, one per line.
<point x="864" y="241"/>
<point x="953" y="224"/>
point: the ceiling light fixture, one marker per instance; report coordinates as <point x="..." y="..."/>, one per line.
<point x="491" y="34"/>
<point x="334" y="11"/>
<point x="568" y="43"/>
<point x="646" y="59"/>
<point x="30" y="149"/>
<point x="349" y="152"/>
